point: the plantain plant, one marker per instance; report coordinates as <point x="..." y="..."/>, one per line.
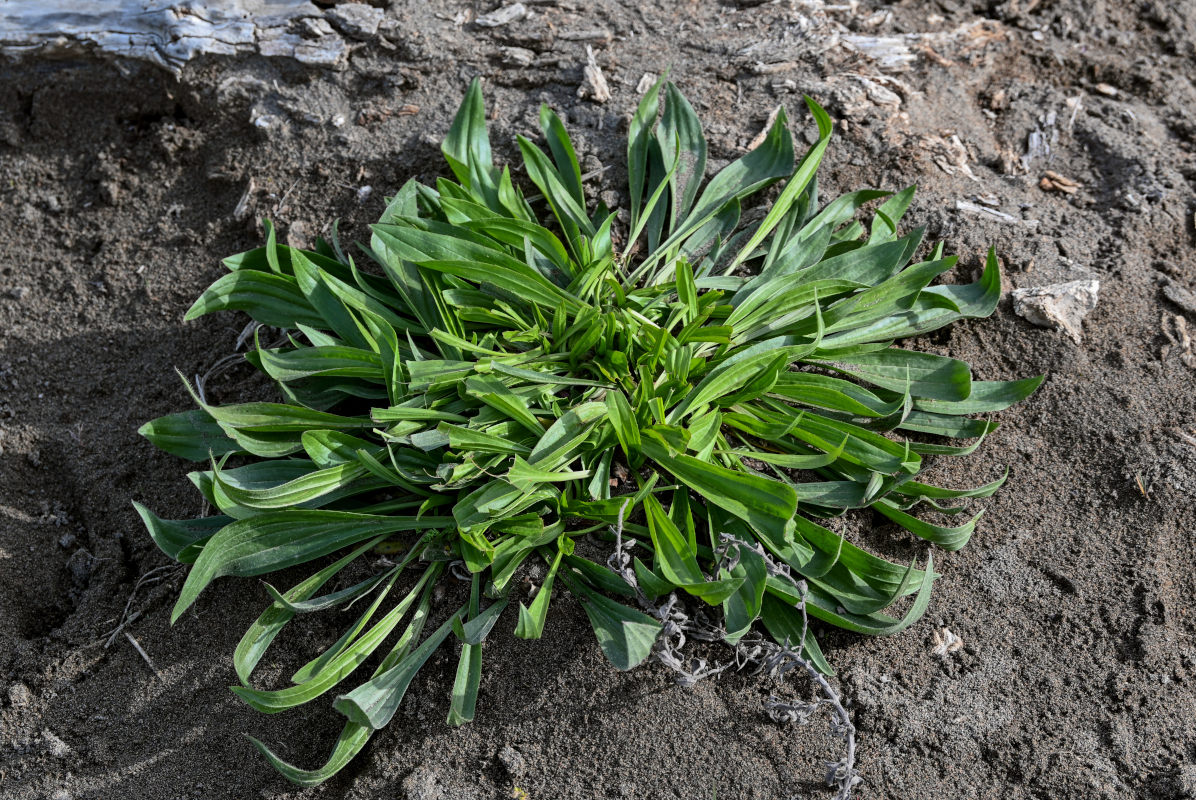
<point x="486" y="389"/>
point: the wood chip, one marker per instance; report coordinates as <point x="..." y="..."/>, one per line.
<point x="595" y="86"/>
<point x="992" y="213"/>
<point x="949" y="154"/>
<point x="241" y="212"/>
<point x="517" y="56"/>
<point x="1107" y="90"/>
<point x="763" y="134"/>
<point x="1054" y="182"/>
<point x="646" y="83"/>
<point x="595" y="35"/>
<point x="169" y="34"/>
<point x="502" y="16"/>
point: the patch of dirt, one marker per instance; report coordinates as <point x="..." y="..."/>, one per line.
<point x="120" y="192"/>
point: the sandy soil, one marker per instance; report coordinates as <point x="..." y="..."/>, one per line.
<point x="1074" y="600"/>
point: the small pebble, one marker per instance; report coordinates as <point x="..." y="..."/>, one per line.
<point x="55" y="746"/>
<point x="422" y="784"/>
<point x="1182" y="297"/>
<point x="19" y="695"/>
<point x="512" y="760"/>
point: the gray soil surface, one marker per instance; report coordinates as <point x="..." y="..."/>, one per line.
<point x="1074" y="600"/>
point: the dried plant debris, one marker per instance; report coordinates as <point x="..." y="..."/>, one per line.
<point x="504" y="15"/>
<point x="712" y="374"/>
<point x="1175" y="330"/>
<point x="595" y="86"/>
<point x="898" y="52"/>
<point x="949" y="154"/>
<point x="1041" y="141"/>
<point x="945" y="642"/>
<point x="985" y="210"/>
<point x="869" y="62"/>
<point x="772" y="659"/>
<point x="1054" y="182"/>
<point x="1062" y="305"/>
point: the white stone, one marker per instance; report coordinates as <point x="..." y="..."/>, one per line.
<point x="1061" y="305"/>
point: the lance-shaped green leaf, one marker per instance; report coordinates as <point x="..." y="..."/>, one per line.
<point x="531" y="620"/>
<point x="261" y="633"/>
<point x="469" y="667"/>
<point x="678" y="561"/>
<point x="561" y="146"/>
<point x="764" y="504"/>
<point x="466" y="148"/>
<point x="625" y="635"/>
<point x="468" y="260"/>
<point x="823" y="605"/>
<point x="525" y="476"/>
<point x="946" y="538"/>
<point x="563" y="436"/>
<point x="734" y="373"/>
<point x="180" y="540"/>
<point x="280" y="539"/>
<point x="926" y="375"/>
<point x="681" y="140"/>
<point x="352" y="739"/>
<point x="625" y="425"/>
<point x="270" y="299"/>
<point x="309" y="362"/>
<point x="295" y="492"/>
<point x="502" y="399"/>
<point x="986" y="396"/>
<point x="376" y="701"/>
<point x="333" y="670"/>
<point x="480" y="441"/>
<point x="793" y="189"/>
<point x="639" y="136"/>
<point x="193" y="435"/>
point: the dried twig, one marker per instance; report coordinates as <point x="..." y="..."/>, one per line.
<point x="595" y="86"/>
<point x="141" y="650"/>
<point x="128" y="615"/>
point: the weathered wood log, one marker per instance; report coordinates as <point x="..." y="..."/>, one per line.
<point x="169" y="33"/>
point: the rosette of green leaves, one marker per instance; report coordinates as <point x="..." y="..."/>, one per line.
<point x="485" y="387"/>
